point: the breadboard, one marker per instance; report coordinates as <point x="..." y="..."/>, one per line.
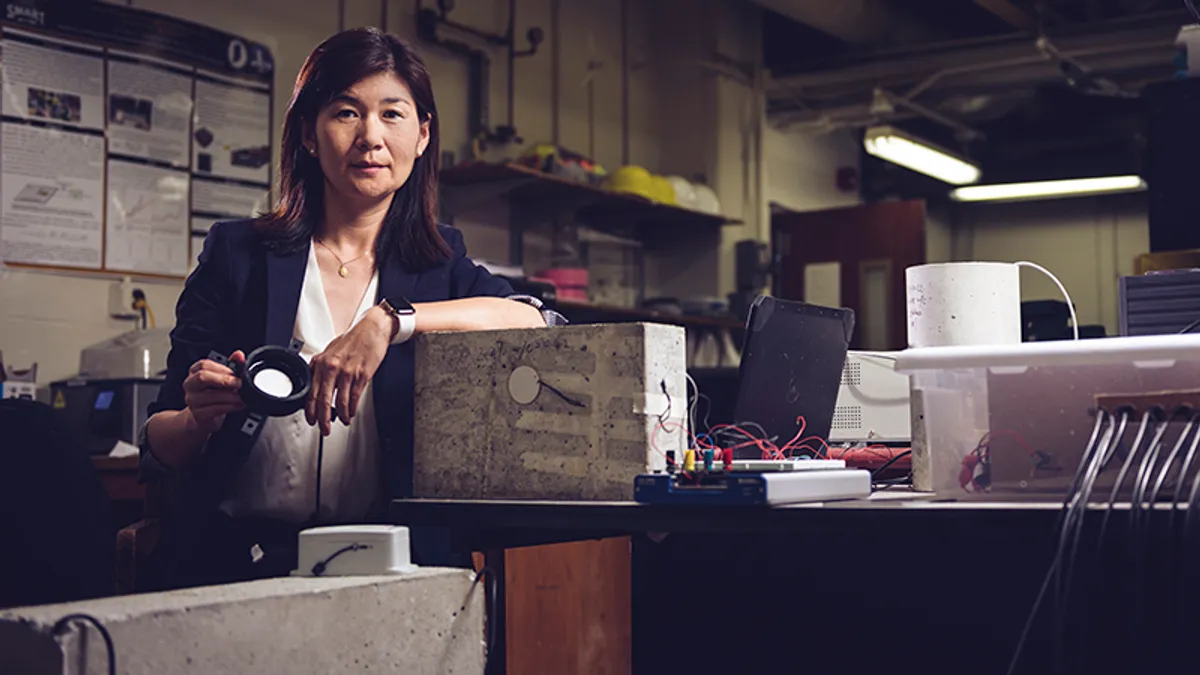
<point x="750" y="489"/>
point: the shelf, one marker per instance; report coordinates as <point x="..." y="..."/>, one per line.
<point x="589" y="202"/>
<point x="582" y="312"/>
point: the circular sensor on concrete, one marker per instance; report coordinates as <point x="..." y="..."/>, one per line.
<point x="524" y="385"/>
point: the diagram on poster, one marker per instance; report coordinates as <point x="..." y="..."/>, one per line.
<point x="52" y="186"/>
<point x="231" y="136"/>
<point x="149" y="110"/>
<point x="53" y="81"/>
<point x="214" y="200"/>
<point x="147" y="226"/>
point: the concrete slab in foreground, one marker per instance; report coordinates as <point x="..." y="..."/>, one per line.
<point x="428" y="621"/>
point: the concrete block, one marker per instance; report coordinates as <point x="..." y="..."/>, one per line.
<point x="570" y="413"/>
<point x="429" y="621"/>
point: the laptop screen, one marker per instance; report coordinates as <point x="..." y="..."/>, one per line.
<point x="791" y="367"/>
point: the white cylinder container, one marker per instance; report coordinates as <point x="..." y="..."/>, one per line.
<point x="963" y="303"/>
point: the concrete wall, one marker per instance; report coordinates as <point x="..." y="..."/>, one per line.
<point x="801" y="169"/>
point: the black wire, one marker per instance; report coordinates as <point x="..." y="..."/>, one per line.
<point x="888" y="463"/>
<point x="319" y="568"/>
<point x="1133" y="451"/>
<point x="491" y="586"/>
<point x="1181" y="481"/>
<point x="1170" y="461"/>
<point x="1189" y="328"/>
<point x="1052" y="572"/>
<point x="1145" y="471"/>
<point x="320" y="460"/>
<point x="1196" y="13"/>
<point x="1073" y="528"/>
<point x="60" y="628"/>
<point x="554" y="390"/>
<point x="880" y="485"/>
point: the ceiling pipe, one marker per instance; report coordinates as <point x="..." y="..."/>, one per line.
<point x="922" y="68"/>
<point x="859" y="22"/>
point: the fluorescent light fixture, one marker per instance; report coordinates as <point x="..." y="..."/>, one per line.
<point x="1049" y="189"/>
<point x="913" y="153"/>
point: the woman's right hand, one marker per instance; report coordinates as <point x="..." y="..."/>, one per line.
<point x="211" y="392"/>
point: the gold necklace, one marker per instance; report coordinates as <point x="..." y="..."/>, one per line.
<point x="343" y="271"/>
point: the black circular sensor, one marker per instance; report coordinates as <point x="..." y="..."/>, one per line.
<point x="275" y="381"/>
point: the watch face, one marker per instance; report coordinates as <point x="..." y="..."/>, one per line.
<point x="401" y="305"/>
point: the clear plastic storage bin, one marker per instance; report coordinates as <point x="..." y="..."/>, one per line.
<point x="1016" y="419"/>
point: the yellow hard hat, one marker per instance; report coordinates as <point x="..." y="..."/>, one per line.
<point x="664" y="191"/>
<point x="632" y="179"/>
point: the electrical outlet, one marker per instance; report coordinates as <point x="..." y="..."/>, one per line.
<point x="120" y="299"/>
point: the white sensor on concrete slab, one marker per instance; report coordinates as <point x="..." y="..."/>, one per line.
<point x="524" y="384"/>
<point x="350" y="550"/>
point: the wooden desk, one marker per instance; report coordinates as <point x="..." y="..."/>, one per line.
<point x="120" y="478"/>
<point x="136" y="507"/>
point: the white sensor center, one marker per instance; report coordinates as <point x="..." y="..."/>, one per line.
<point x="273" y="383"/>
<point x="524" y="384"/>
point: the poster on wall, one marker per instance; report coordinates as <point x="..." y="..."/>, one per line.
<point x="123" y="130"/>
<point x="53" y="81"/>
<point x="232" y="136"/>
<point x="52" y="187"/>
<point x="149" y="109"/>
<point x="215" y="200"/>
<point x="147" y="225"/>
<point x="197" y="247"/>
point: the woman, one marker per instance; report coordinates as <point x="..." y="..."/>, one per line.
<point x="353" y="240"/>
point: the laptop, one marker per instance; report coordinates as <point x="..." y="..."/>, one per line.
<point x="792" y="360"/>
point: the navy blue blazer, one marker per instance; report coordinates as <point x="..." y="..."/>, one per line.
<point x="243" y="295"/>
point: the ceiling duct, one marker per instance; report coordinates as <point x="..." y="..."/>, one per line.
<point x="858" y="22"/>
<point x="840" y="94"/>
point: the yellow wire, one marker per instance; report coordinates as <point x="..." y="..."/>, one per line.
<point x="143" y="305"/>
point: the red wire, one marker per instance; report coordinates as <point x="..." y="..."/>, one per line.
<point x="1007" y="432"/>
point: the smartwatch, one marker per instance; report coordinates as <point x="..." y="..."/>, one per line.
<point x="405" y="314"/>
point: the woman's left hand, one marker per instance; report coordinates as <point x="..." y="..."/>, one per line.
<point x="344" y="369"/>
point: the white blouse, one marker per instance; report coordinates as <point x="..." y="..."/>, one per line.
<point x="279" y="477"/>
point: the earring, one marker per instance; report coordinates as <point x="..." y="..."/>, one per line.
<point x="312" y="151"/>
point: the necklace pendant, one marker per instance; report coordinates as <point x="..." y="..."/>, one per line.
<point x="343" y="272"/>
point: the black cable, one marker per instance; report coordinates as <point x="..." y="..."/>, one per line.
<point x="1196" y="13"/>
<point x="1170" y="461"/>
<point x="1183" y="472"/>
<point x="1189" y="328"/>
<point x="319" y="568"/>
<point x="891" y="482"/>
<point x="1145" y="470"/>
<point x="60" y="628"/>
<point x="1051" y="573"/>
<point x="1191" y="508"/>
<point x="1180" y="481"/>
<point x="1116" y="489"/>
<point x="320" y="461"/>
<point x="1073" y="527"/>
<point x="554" y="390"/>
<point x="1188" y="539"/>
<point x="888" y="463"/>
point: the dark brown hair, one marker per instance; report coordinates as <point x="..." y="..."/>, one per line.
<point x="410" y="231"/>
